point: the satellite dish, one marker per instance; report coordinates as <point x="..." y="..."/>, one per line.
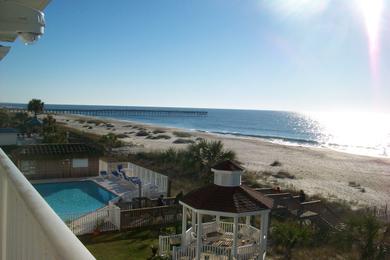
<point x="23" y="19"/>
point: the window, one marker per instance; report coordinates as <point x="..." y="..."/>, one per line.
<point x="79" y="163"/>
<point x="27" y="167"/>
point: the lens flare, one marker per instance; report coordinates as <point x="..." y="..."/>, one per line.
<point x="372" y="14"/>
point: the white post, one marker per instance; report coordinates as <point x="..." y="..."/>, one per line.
<point x="248" y="220"/>
<point x="183" y="226"/>
<point x="193" y="220"/>
<point x="3" y="215"/>
<point x="264" y="233"/>
<point x="199" y="237"/>
<point x="235" y="234"/>
<point x="218" y="221"/>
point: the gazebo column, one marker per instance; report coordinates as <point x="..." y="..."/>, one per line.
<point x="248" y="220"/>
<point x="264" y="233"/>
<point x="193" y="220"/>
<point x="199" y="237"/>
<point x="184" y="226"/>
<point x="235" y="235"/>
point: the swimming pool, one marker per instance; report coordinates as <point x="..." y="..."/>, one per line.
<point x="76" y="198"/>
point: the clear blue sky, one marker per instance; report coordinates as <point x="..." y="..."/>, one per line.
<point x="275" y="54"/>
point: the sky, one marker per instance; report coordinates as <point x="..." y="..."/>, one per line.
<point x="297" y="55"/>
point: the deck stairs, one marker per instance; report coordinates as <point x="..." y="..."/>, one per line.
<point x="285" y="203"/>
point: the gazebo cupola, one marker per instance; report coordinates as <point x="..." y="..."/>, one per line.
<point x="229" y="209"/>
<point x="227" y="174"/>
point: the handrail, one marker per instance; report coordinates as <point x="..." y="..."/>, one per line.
<point x="63" y="241"/>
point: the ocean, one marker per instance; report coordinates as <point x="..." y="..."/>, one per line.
<point x="357" y="133"/>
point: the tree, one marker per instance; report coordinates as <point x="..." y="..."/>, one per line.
<point x="51" y="133"/>
<point x="289" y="235"/>
<point x="365" y="233"/>
<point x="5" y="120"/>
<point x="36" y="106"/>
<point x="204" y="154"/>
<point x="110" y="141"/>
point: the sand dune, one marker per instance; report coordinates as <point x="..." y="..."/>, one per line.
<point x="359" y="180"/>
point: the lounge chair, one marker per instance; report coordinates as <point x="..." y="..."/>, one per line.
<point x="135" y="180"/>
<point x="104" y="174"/>
<point x="116" y="174"/>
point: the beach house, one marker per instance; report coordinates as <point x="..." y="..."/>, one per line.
<point x="50" y="161"/>
<point x="8" y="136"/>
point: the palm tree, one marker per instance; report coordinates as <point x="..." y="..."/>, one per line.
<point x="110" y="141"/>
<point x="204" y="154"/>
<point x="36" y="106"/>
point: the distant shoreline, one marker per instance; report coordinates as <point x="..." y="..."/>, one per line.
<point x="358" y="180"/>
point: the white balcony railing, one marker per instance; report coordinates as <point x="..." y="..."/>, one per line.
<point x="29" y="228"/>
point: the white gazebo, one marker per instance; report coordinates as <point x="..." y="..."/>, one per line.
<point x="223" y="217"/>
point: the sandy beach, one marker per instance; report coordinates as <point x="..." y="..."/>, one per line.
<point x="358" y="180"/>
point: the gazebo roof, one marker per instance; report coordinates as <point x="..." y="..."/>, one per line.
<point x="227" y="165"/>
<point x="238" y="199"/>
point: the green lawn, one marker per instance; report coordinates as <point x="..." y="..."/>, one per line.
<point x="134" y="244"/>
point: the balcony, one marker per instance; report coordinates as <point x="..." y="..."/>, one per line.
<point x="29" y="228"/>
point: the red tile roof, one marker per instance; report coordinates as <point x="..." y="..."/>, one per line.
<point x="237" y="199"/>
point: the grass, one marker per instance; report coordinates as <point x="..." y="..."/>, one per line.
<point x="181" y="134"/>
<point x="283" y="175"/>
<point x="183" y="141"/>
<point x="142" y="133"/>
<point x="159" y="137"/>
<point x="158" y="131"/>
<point x="134" y="244"/>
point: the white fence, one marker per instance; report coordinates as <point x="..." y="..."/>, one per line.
<point x="29" y="228"/>
<point x="104" y="219"/>
<point x="153" y="183"/>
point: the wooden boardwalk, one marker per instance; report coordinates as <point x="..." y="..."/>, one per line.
<point x="121" y="112"/>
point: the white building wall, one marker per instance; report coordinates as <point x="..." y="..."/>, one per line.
<point x="8" y="138"/>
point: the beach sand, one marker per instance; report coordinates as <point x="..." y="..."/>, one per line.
<point x="358" y="180"/>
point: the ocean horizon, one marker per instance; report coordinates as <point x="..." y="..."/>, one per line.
<point x="363" y="134"/>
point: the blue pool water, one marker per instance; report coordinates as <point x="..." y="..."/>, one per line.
<point x="71" y="199"/>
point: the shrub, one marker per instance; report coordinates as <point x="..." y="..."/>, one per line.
<point x="158" y="131"/>
<point x="181" y="134"/>
<point x="276" y="163"/>
<point x="283" y="174"/>
<point x="142" y="133"/>
<point x="290" y="235"/>
<point x="159" y="137"/>
<point x="122" y="136"/>
<point x="183" y="141"/>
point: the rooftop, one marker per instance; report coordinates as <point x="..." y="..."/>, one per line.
<point x="56" y="150"/>
<point x="8" y="130"/>
<point x="237" y="199"/>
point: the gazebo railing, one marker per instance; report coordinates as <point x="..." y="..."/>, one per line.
<point x="183" y="252"/>
<point x="187" y="250"/>
<point x="248" y="252"/>
<point x="165" y="245"/>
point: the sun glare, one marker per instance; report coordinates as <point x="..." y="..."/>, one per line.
<point x="372" y="14"/>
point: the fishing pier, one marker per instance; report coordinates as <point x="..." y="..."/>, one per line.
<point x="119" y="112"/>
